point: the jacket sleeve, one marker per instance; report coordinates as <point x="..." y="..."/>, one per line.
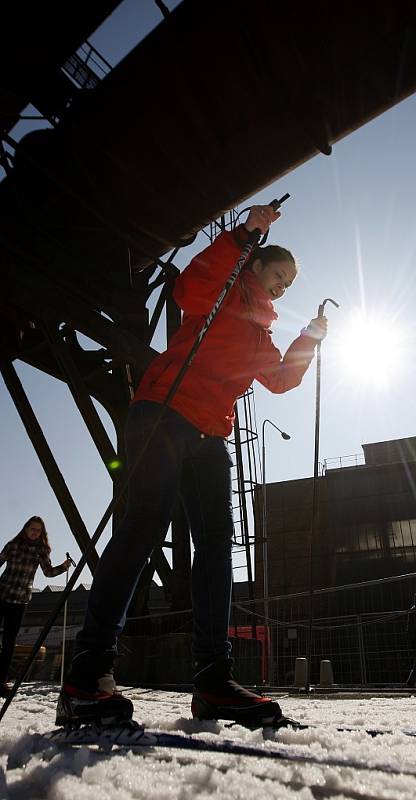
<point x="48" y="569"/>
<point x="199" y="285"/>
<point x="282" y="374"/>
<point x="4" y="555"/>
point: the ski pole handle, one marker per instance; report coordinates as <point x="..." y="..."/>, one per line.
<point x="322" y="306"/>
<point x="275" y="204"/>
<point x="68" y="558"/>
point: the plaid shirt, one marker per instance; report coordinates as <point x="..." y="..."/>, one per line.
<point x="23" y="559"/>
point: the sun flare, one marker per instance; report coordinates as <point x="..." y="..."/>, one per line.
<point x="370" y="350"/>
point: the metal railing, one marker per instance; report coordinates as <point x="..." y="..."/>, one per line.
<point x="353" y="460"/>
<point x="87" y="67"/>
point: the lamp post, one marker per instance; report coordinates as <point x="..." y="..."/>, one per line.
<point x="264" y="536"/>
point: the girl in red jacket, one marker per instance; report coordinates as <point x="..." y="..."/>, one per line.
<point x="188" y="456"/>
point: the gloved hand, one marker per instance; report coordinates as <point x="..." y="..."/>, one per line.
<point x="261" y="217"/>
<point x="317" y="328"/>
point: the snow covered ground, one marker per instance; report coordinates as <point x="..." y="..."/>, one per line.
<point x="387" y="763"/>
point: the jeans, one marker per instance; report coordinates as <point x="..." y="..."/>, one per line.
<point x="179" y="460"/>
<point x="12" y="616"/>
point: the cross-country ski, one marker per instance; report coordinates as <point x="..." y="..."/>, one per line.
<point x="137" y="738"/>
<point x="167" y="754"/>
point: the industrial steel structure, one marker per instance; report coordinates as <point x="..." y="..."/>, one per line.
<point x="138" y="159"/>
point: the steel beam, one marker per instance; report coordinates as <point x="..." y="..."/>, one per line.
<point x="47" y="460"/>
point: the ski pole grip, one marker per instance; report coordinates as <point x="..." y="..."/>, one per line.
<point x="322" y="306"/>
<point x="275" y="204"/>
<point x="68" y="558"/>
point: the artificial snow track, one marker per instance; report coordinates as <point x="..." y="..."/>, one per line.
<point x="319" y="762"/>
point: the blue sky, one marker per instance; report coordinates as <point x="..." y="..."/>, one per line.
<point x="350" y="223"/>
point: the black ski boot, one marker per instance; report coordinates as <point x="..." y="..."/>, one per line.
<point x="89" y="693"/>
<point x="218" y="696"/>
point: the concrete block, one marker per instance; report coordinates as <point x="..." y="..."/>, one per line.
<point x="301" y="672"/>
<point x="326" y="674"/>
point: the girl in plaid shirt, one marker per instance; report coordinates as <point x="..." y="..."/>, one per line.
<point x="29" y="549"/>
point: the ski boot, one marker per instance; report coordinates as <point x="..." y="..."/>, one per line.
<point x="5" y="689"/>
<point x="89" y="694"/>
<point x="218" y="696"/>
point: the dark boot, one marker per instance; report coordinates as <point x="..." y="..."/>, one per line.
<point x="218" y="696"/>
<point x="89" y="693"/>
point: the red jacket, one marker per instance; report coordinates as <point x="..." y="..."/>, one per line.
<point x="237" y="348"/>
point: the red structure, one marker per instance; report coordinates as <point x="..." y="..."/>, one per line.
<point x="262" y="634"/>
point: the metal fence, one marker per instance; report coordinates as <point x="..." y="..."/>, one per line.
<point x="368" y="645"/>
<point x="361" y="628"/>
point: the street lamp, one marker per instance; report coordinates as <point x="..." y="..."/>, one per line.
<point x="264" y="535"/>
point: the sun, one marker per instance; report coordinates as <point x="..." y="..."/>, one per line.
<point x="369" y="350"/>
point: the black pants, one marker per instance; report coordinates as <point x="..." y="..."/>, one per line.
<point x="179" y="461"/>
<point x="11" y="614"/>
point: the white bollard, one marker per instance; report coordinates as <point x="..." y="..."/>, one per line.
<point x="326" y="674"/>
<point x="301" y="673"/>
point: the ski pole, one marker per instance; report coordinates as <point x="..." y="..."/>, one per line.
<point x="247" y="250"/>
<point x="68" y="558"/>
<point x="314" y="513"/>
